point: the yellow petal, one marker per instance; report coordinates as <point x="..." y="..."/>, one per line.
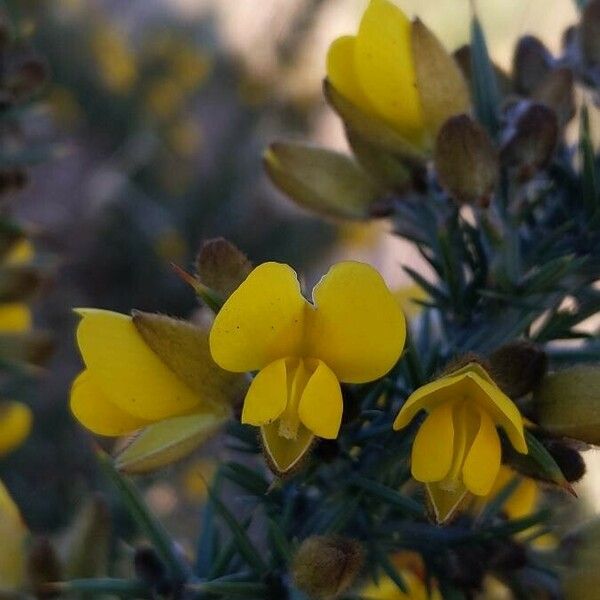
<point x="445" y="503"/>
<point x="267" y="396"/>
<point x="523" y="500"/>
<point x="22" y="252"/>
<point x="385" y="68"/>
<point x="15" y="317"/>
<point x="428" y="397"/>
<point x="13" y="534"/>
<point x="483" y="460"/>
<point x="321" y="404"/>
<point x="432" y="449"/>
<point x="503" y="411"/>
<point x="15" y="425"/>
<point x="261" y="321"/>
<point x="282" y="454"/>
<point x="96" y="412"/>
<point x="341" y="71"/>
<point x="127" y="371"/>
<point x="357" y="329"/>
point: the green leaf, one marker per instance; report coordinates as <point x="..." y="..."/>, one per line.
<point x="144" y="519"/>
<point x="122" y="588"/>
<point x="388" y="495"/>
<point x="168" y="441"/>
<point x="589" y="174"/>
<point x="486" y="95"/>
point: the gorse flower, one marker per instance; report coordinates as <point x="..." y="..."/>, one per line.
<point x="13" y="534"/>
<point x="15" y="425"/>
<point x="353" y="332"/>
<point x="457" y="448"/>
<point x="398" y="71"/>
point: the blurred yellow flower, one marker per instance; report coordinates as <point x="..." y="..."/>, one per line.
<point x="353" y="332"/>
<point x="408" y="297"/>
<point x="164" y="97"/>
<point x="13" y="534"/>
<point x="15" y="425"/>
<point x="457" y="448"/>
<point x="15" y="317"/>
<point x="197" y="477"/>
<point x="398" y="71"/>
<point x="115" y="59"/>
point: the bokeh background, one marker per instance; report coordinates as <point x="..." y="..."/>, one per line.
<point x="147" y="141"/>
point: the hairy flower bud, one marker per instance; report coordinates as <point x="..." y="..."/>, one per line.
<point x="326" y="566"/>
<point x="43" y="567"/>
<point x="558" y="92"/>
<point x="466" y="161"/>
<point x="518" y="367"/>
<point x="589" y="32"/>
<point x="531" y="64"/>
<point x="567" y="403"/>
<point x="531" y="139"/>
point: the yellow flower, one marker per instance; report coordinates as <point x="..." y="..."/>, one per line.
<point x="15" y="425"/>
<point x="126" y="385"/>
<point x="114" y="58"/>
<point x="13" y="534"/>
<point x="353" y="332"/>
<point x="411" y="569"/>
<point x="398" y="71"/>
<point x="15" y="317"/>
<point x="457" y="448"/>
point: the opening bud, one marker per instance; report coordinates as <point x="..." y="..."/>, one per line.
<point x="466" y="161"/>
<point x="532" y="63"/>
<point x="326" y="566"/>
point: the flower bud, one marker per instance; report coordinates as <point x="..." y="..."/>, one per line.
<point x="558" y="92"/>
<point x="589" y="32"/>
<point x="531" y="64"/>
<point x="150" y="569"/>
<point x="567" y="403"/>
<point x="518" y="367"/>
<point x="531" y="139"/>
<point x="222" y="266"/>
<point x="466" y="161"/>
<point x="29" y="76"/>
<point x="321" y="180"/>
<point x="326" y="566"/>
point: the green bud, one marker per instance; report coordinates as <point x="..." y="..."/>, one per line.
<point x="466" y="161"/>
<point x="321" y="180"/>
<point x="518" y="367"/>
<point x="326" y="566"/>
<point x="589" y="32"/>
<point x="222" y="266"/>
<point x="531" y="139"/>
<point x="532" y="63"/>
<point x="43" y="567"/>
<point x="567" y="403"/>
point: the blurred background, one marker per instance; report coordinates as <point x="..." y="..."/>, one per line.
<point x="148" y="140"/>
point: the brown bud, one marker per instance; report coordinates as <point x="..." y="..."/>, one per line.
<point x="590" y="32"/>
<point x="29" y="76"/>
<point x="530" y="141"/>
<point x="12" y="180"/>
<point x="43" y="567"/>
<point x="222" y="266"/>
<point x="326" y="566"/>
<point x="568" y="458"/>
<point x="518" y="367"/>
<point x="531" y="64"/>
<point x="466" y="161"/>
<point x="558" y="92"/>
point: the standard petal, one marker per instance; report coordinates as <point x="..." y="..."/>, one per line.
<point x="385" y="68"/>
<point x="321" y="403"/>
<point x="285" y="455"/>
<point x="482" y="463"/>
<point x="127" y="371"/>
<point x="15" y="317"/>
<point x="502" y="410"/>
<point x="96" y="412"/>
<point x="15" y="425"/>
<point x="261" y="321"/>
<point x="357" y="328"/>
<point x="341" y="71"/>
<point x="267" y="396"/>
<point x="428" y="397"/>
<point x="432" y="449"/>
